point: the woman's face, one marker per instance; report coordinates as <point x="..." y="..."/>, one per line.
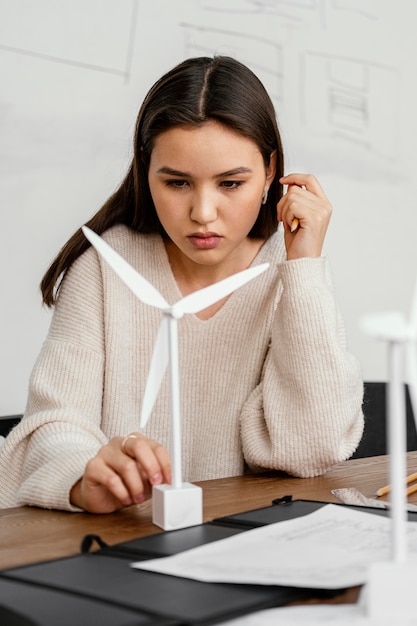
<point x="207" y="185"/>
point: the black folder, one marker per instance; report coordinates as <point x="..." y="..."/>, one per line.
<point x="103" y="583"/>
<point x="25" y="604"/>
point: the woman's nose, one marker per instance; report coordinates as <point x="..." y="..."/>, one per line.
<point x="203" y="208"/>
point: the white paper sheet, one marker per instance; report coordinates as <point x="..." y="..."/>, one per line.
<point x="330" y="548"/>
<point x="315" y="615"/>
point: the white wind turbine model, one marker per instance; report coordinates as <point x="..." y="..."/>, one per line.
<point x="179" y="504"/>
<point x="391" y="585"/>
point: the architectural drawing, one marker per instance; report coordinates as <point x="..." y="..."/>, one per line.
<point x="294" y="10"/>
<point x="350" y="99"/>
<point x="262" y="56"/>
<point x="79" y="33"/>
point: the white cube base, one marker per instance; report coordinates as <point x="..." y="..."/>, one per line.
<point x="390" y="591"/>
<point x="177" y="507"/>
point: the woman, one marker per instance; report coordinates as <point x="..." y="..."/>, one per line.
<point x="266" y="380"/>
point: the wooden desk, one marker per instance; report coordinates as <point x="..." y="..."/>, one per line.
<point x="29" y="535"/>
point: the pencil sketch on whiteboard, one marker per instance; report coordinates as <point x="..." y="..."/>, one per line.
<point x="77" y="34"/>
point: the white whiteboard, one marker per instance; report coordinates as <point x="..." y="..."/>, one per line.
<point x="342" y="74"/>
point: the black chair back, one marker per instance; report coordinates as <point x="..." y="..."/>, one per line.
<point x="374" y="440"/>
<point x="7" y="422"/>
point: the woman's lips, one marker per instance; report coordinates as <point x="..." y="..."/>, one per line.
<point x="205" y="241"/>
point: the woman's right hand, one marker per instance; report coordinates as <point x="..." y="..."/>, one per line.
<point x="121" y="474"/>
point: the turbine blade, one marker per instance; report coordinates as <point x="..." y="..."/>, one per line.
<point x="389" y="326"/>
<point x="157" y="369"/>
<point x="201" y="299"/>
<point x="135" y="281"/>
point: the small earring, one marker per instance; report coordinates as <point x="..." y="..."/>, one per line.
<point x="265" y="196"/>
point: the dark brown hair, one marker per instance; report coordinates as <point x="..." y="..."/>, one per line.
<point x="193" y="92"/>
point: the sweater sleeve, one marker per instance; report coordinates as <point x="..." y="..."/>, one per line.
<point x="47" y="452"/>
<point x="306" y="413"/>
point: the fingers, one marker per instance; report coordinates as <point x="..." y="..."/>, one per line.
<point x="152" y="458"/>
<point x="118" y="478"/>
<point x="305" y="213"/>
<point x="121" y="475"/>
<point x="308" y="181"/>
<point x="303" y="190"/>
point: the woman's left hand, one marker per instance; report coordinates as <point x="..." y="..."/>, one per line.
<point x="305" y="202"/>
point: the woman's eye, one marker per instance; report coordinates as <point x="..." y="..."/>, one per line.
<point x="231" y="184"/>
<point x="177" y="183"/>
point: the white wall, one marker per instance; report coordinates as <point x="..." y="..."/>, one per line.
<point x="342" y="74"/>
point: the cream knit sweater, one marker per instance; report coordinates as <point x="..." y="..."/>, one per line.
<point x="266" y="382"/>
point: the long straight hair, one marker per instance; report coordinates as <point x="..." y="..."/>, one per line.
<point x="192" y="93"/>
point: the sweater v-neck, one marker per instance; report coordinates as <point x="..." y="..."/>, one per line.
<point x="173" y="291"/>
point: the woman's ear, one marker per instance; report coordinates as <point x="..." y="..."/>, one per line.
<point x="272" y="168"/>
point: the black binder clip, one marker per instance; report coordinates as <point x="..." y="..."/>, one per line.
<point x="88" y="542"/>
<point x="283" y="500"/>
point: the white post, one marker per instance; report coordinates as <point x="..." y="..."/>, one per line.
<point x="174" y="382"/>
<point x="397" y="446"/>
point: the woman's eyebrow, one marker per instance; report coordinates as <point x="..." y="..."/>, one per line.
<point x="169" y="170"/>
<point x="233" y="172"/>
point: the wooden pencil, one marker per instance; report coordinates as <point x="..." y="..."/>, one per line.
<point x="410" y="479"/>
<point x="294" y="224"/>
<point x="411" y="489"/>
